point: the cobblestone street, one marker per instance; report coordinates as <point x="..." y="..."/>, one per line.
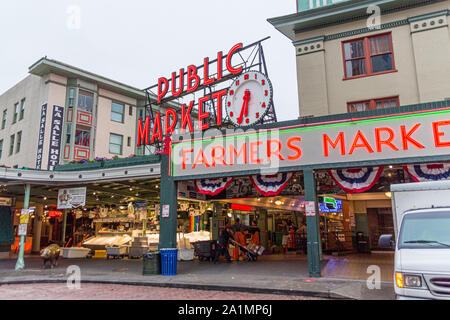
<point x="60" y="291"/>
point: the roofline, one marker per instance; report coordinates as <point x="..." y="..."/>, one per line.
<point x="338" y="13"/>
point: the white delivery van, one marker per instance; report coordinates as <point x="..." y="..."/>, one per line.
<point x="422" y="247"/>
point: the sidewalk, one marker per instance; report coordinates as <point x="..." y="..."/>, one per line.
<point x="270" y="275"/>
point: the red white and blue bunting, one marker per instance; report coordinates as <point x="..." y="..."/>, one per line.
<point x="212" y="187"/>
<point x="428" y="172"/>
<point x="356" y="180"/>
<point x="271" y="185"/>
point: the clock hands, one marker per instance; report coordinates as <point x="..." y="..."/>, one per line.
<point x="244" y="110"/>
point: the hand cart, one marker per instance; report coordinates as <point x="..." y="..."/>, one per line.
<point x="250" y="254"/>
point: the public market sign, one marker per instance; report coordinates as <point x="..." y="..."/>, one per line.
<point x="182" y="84"/>
<point x="305" y="5"/>
<point x="378" y="138"/>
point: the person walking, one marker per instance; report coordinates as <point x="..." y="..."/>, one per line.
<point x="255" y="231"/>
<point x="239" y="231"/>
<point x="222" y="244"/>
<point x="285" y="230"/>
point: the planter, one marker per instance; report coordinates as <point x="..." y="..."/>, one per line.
<point x="128" y="162"/>
<point x="80" y="166"/>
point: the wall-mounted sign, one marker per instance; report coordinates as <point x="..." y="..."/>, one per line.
<point x="54" y="151"/>
<point x="310" y="208"/>
<point x="41" y="136"/>
<point x="414" y="135"/>
<point x="305" y="5"/>
<point x="7" y="202"/>
<point x="330" y="205"/>
<point x="165" y="212"/>
<point x="53" y="214"/>
<point x="24" y="219"/>
<point x="71" y="198"/>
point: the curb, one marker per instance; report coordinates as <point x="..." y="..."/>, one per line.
<point x="305" y="293"/>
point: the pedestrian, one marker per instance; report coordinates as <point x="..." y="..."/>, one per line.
<point x="239" y="231"/>
<point x="255" y="231"/>
<point x="222" y="244"/>
<point x="285" y="230"/>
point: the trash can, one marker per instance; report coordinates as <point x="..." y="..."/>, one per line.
<point x="151" y="263"/>
<point x="169" y="262"/>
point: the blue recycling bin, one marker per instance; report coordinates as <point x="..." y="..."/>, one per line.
<point x="169" y="262"/>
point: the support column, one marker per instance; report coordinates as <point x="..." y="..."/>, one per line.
<point x="215" y="220"/>
<point x="37" y="229"/>
<point x="63" y="236"/>
<point x="168" y="196"/>
<point x="26" y="200"/>
<point x="313" y="226"/>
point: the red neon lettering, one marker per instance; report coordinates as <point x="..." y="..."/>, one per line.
<point x="364" y="144"/>
<point x="206" y="79"/>
<point x="254" y="152"/>
<point x="218" y="95"/>
<point x="339" y="139"/>
<point x="234" y="153"/>
<point x="183" y="157"/>
<point x="298" y="151"/>
<point x="230" y="55"/>
<point x="387" y="141"/>
<point x="192" y="75"/>
<point x="219" y="65"/>
<point x="202" y="115"/>
<point x="162" y="92"/>
<point x="170" y="126"/>
<point x="186" y="117"/>
<point x="203" y="160"/>
<point x="181" y="84"/>
<point x="143" y="132"/>
<point x="218" y="158"/>
<point x="406" y="137"/>
<point x="437" y="134"/>
<point x="276" y="152"/>
<point x="157" y="133"/>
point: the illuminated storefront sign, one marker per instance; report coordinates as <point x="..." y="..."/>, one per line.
<point x="379" y="138"/>
<point x="182" y="84"/>
<point x="305" y="5"/>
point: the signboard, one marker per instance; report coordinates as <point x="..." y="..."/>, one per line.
<point x="41" y="136"/>
<point x="165" y="211"/>
<point x="140" y="208"/>
<point x="412" y="135"/>
<point x="330" y="205"/>
<point x="54" y="150"/>
<point x="6" y="201"/>
<point x="71" y="198"/>
<point x="310" y="208"/>
<point x="24" y="218"/>
<point x="305" y="5"/>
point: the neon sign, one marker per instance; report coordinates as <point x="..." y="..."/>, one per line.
<point x="181" y="84"/>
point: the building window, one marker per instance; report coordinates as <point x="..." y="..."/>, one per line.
<point x="5" y="113"/>
<point x="129" y="141"/>
<point x="373" y="104"/>
<point x="85" y="101"/>
<point x="16" y="112"/>
<point x="117" y="111"/>
<point x="1" y="147"/>
<point x="82" y="137"/>
<point x="22" y="109"/>
<point x="130" y="111"/>
<point x="68" y="132"/>
<point x="115" y="143"/>
<point x="11" y="144"/>
<point x="71" y="97"/>
<point x="368" y="56"/>
<point x="19" y="141"/>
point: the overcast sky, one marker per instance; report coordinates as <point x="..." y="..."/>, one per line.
<point x="137" y="41"/>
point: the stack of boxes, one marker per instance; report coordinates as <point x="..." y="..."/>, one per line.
<point x="139" y="246"/>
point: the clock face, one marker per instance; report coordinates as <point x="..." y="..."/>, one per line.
<point x="248" y="98"/>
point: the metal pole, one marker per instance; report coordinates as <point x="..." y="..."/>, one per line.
<point x="313" y="226"/>
<point x="20" y="264"/>
<point x="63" y="237"/>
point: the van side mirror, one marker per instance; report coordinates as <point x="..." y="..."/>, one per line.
<point x="386" y="242"/>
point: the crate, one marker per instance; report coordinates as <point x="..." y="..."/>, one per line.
<point x="100" y="254"/>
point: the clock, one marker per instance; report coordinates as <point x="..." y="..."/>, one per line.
<point x="248" y="98"/>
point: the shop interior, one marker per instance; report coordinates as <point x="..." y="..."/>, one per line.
<point x="125" y="214"/>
